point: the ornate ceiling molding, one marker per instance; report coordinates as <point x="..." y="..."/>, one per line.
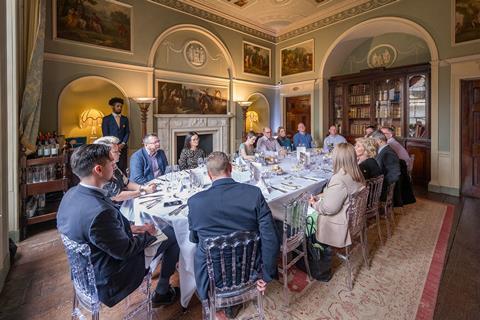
<point x="238" y="26"/>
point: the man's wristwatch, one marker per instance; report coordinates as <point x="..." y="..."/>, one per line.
<point x="142" y="190"/>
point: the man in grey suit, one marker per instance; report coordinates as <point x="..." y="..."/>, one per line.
<point x="87" y="215"/>
<point x="226" y="207"/>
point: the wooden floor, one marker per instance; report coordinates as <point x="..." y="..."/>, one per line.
<point x="38" y="285"/>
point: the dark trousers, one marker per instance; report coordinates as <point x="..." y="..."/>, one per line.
<point x="122" y="162"/>
<point x="170" y="250"/>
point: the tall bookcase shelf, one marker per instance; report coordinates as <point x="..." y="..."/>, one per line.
<point x="395" y="97"/>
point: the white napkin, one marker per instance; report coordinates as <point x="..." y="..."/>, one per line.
<point x="263" y="187"/>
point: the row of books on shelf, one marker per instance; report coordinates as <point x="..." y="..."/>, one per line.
<point x="360" y="89"/>
<point x="388" y="95"/>
<point x="388" y="111"/>
<point x="364" y="99"/>
<point x="359" y="113"/>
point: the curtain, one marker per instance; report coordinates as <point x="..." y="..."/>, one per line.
<point x="32" y="44"/>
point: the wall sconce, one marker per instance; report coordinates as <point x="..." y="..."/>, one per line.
<point x="144" y="103"/>
<point x="244" y="105"/>
<point x="91" y="118"/>
<point x="252" y="117"/>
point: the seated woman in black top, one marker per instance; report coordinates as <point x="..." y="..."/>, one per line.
<point x="191" y="152"/>
<point x="366" y="150"/>
<point x="120" y="188"/>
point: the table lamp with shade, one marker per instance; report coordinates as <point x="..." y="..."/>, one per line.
<point x="91" y="118"/>
<point x="144" y="104"/>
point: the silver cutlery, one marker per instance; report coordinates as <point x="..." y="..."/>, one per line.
<point x="293" y="186"/>
<point x="177" y="211"/>
<point x="278" y="189"/>
<point x="154" y="203"/>
<point x="308" y="178"/>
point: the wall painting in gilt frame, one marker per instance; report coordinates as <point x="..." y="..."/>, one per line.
<point x="105" y="24"/>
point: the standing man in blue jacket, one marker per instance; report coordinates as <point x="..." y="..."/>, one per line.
<point x="116" y="125"/>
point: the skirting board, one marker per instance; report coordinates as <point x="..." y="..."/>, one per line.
<point x="446" y="190"/>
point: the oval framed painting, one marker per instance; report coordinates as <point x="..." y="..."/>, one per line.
<point x="383" y="55"/>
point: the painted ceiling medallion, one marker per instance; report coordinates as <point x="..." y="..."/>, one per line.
<point x="195" y="54"/>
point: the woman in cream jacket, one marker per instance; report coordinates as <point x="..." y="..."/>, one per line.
<point x="332" y="204"/>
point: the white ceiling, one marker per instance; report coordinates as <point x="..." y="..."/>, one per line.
<point x="274" y="17"/>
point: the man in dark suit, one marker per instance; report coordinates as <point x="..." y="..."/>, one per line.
<point x="117" y="125"/>
<point x="87" y="215"/>
<point x="149" y="162"/>
<point x="387" y="160"/>
<point x="226" y="207"/>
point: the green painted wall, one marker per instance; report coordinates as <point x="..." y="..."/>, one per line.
<point x="410" y="50"/>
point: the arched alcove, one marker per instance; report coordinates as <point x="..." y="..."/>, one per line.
<point x="171" y="51"/>
<point x="261" y="106"/>
<point x="90" y="92"/>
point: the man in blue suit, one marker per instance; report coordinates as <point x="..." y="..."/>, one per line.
<point x="226" y="207"/>
<point x="149" y="162"/>
<point x="117" y="125"/>
<point x="87" y="215"/>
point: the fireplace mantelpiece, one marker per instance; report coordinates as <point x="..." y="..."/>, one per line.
<point x="171" y="125"/>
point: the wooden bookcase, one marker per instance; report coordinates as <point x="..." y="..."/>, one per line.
<point x="396" y="97"/>
<point x="53" y="188"/>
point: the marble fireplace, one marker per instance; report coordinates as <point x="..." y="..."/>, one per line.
<point x="172" y="126"/>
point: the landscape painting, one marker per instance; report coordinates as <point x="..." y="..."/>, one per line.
<point x="467" y="21"/>
<point x="256" y="59"/>
<point x="297" y="58"/>
<point x="183" y="98"/>
<point x="105" y="23"/>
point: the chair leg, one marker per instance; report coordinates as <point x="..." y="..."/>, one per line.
<point x="285" y="278"/>
<point x="96" y="315"/>
<point x="392" y="215"/>
<point x="261" y="313"/>
<point x="305" y="259"/>
<point x="148" y="293"/>
<point x="74" y="306"/>
<point x="213" y="309"/>
<point x="379" y="228"/>
<point x="387" y="221"/>
<point x="364" y="244"/>
<point x="349" y="269"/>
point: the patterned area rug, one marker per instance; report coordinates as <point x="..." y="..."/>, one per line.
<point x="391" y="289"/>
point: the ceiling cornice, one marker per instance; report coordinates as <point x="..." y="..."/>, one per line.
<point x="254" y="31"/>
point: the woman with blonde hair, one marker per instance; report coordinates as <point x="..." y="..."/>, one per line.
<point x="332" y="204"/>
<point x="366" y="150"/>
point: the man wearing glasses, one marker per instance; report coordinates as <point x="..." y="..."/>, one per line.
<point x="149" y="162"/>
<point x="267" y="144"/>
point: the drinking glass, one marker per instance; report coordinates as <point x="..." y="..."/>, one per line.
<point x="200" y="162"/>
<point x="43" y="174"/>
<point x="30" y="172"/>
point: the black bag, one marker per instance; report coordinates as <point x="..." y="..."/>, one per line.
<point x="318" y="255"/>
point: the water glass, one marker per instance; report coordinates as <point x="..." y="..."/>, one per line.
<point x="200" y="162"/>
<point x="30" y="173"/>
<point x="43" y="173"/>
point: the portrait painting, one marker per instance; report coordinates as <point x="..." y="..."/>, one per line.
<point x="466" y="22"/>
<point x="186" y="98"/>
<point x="103" y="23"/>
<point x="256" y="59"/>
<point x="297" y="58"/>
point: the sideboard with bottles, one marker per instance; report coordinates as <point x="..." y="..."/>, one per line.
<point x="395" y="97"/>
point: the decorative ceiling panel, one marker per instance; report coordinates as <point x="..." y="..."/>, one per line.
<point x="275" y="20"/>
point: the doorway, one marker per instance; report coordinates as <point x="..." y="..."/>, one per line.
<point x="470" y="137"/>
<point x="297" y="109"/>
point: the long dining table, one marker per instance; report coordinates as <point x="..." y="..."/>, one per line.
<point x="277" y="189"/>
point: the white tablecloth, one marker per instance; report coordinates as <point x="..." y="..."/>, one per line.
<point x="180" y="222"/>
